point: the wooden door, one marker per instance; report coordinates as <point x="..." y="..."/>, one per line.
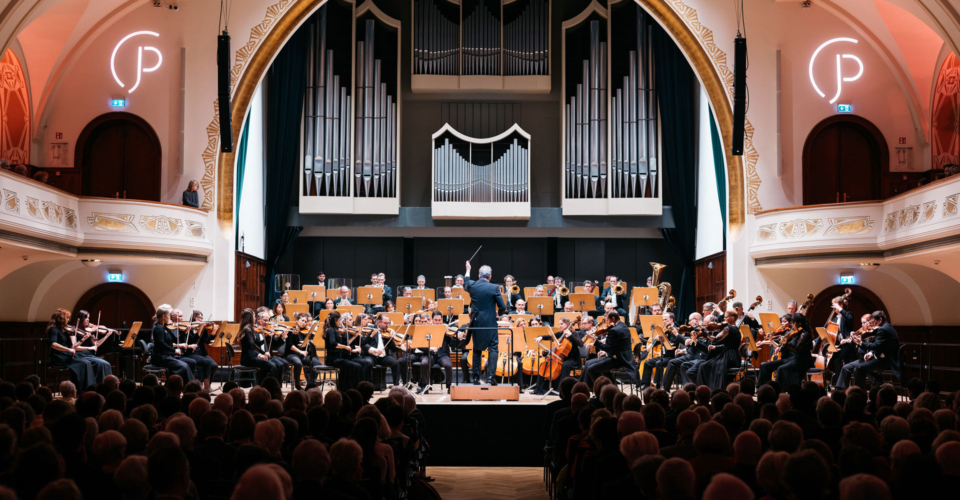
<point x="862" y="301"/>
<point x="119" y="305"/>
<point x="711" y="280"/>
<point x="250" y="283"/>
<point x="844" y="160"/>
<point x="119" y="157"/>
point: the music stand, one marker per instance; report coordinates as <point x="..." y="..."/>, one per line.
<point x="423" y="336"/>
<point x="460" y="293"/>
<point x="322" y="316"/>
<point x="129" y="350"/>
<point x="825" y="337"/>
<point x="293" y="309"/>
<point x="658" y="330"/>
<point x="370" y="296"/>
<point x="298" y="296"/>
<point x="644" y="297"/>
<point x="426" y="293"/>
<point x="747" y="334"/>
<point x="450" y="307"/>
<point x="409" y="305"/>
<point x="542" y="306"/>
<point x="574" y="316"/>
<point x="585" y="302"/>
<point x="395" y="317"/>
<point x="580" y="289"/>
<point x="333" y="294"/>
<point x="769" y="322"/>
<point x="505" y="344"/>
<point x="132" y="335"/>
<point x="530" y="335"/>
<point x="547" y="289"/>
<point x="224" y="341"/>
<point x="353" y="310"/>
<point x="516" y="317"/>
<point x="529" y="292"/>
<point x="649" y="324"/>
<point x="634" y="338"/>
<point x="315" y="292"/>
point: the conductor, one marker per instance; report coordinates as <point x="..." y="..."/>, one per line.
<point x="485" y="300"/>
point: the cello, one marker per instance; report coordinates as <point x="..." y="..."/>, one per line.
<point x="552" y="368"/>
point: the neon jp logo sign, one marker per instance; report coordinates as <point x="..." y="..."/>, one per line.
<point x="140" y="68"/>
<point x="840" y="77"/>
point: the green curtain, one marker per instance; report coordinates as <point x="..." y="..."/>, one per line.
<point x="241" y="167"/>
<point x="721" y="173"/>
<point x="676" y="92"/>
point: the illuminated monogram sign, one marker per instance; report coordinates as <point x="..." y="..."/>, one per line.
<point x="140" y="50"/>
<point x="840" y="58"/>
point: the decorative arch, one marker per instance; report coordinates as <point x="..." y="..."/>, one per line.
<point x="90" y="131"/>
<point x="861" y="301"/>
<point x="944" y="117"/>
<point x="120" y="303"/>
<point x="673" y="15"/>
<point x="14" y="110"/>
<point x="880" y="145"/>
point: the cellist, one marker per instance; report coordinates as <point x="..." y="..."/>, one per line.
<point x="846" y="351"/>
<point x="569" y="342"/>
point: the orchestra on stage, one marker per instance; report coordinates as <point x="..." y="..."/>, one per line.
<point x="474" y="331"/>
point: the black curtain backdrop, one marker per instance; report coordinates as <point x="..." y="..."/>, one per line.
<point x="677" y="91"/>
<point x="284" y="93"/>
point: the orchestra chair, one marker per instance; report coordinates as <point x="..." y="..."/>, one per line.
<point x="817" y="371"/>
<point x="618" y="374"/>
<point x="243" y="374"/>
<point x="326" y="374"/>
<point x="380" y="378"/>
<point x="739" y="372"/>
<point x="159" y="371"/>
<point x="889" y="371"/>
<point x="60" y="374"/>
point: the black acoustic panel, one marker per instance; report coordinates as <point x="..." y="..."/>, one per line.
<point x="529" y="261"/>
<point x="498" y="254"/>
<point x="430" y="259"/>
<point x="566" y="258"/>
<point x="620" y="258"/>
<point x="459" y="250"/>
<point x="340" y="258"/>
<point x="480" y="119"/>
<point x="589" y="263"/>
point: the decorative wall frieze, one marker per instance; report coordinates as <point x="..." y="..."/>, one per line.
<point x="950" y="205"/>
<point x="767" y="232"/>
<point x="800" y="228"/>
<point x="847" y="226"/>
<point x="122" y="223"/>
<point x="161" y="224"/>
<point x="10" y="201"/>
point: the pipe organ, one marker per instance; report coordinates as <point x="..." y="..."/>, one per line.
<point x="375" y="151"/>
<point x="436" y="40"/>
<point x="610" y="128"/>
<point x="481" y="177"/>
<point x="586" y="115"/>
<point x="350" y="126"/>
<point x="481" y="37"/>
<point x="526" y="38"/>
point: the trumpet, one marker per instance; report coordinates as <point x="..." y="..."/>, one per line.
<point x="618" y="288"/>
<point x="515" y="289"/>
<point x="563" y="290"/>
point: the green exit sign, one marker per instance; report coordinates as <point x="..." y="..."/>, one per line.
<point x="118" y="103"/>
<point x="844" y="108"/>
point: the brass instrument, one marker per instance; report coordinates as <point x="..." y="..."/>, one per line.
<point x="618" y="288"/>
<point x="664" y="288"/>
<point x="671" y="303"/>
<point x="515" y="290"/>
<point x="563" y="290"/>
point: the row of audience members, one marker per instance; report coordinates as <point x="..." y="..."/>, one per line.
<point x="118" y="441"/>
<point x="745" y="442"/>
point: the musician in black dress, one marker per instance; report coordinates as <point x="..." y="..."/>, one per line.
<point x="302" y="359"/>
<point x="572" y="361"/>
<point x="612" y="353"/>
<point x="768" y="368"/>
<point x="274" y="337"/>
<point x="723" y="354"/>
<point x="846" y="351"/>
<point x="339" y="352"/>
<point x="62" y="353"/>
<point x="251" y="354"/>
<point x="165" y="350"/>
<point x="199" y="336"/>
<point x="881" y="354"/>
<point x="378" y="349"/>
<point x="795" y="369"/>
<point x="87" y="349"/>
<point x="654" y="367"/>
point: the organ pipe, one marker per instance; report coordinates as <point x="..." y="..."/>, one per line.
<point x="526" y="40"/>
<point x="586" y="132"/>
<point x="375" y="149"/>
<point x="481" y="35"/>
<point x="481" y="170"/>
<point x="436" y="41"/>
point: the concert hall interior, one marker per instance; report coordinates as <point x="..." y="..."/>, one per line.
<point x="391" y="249"/>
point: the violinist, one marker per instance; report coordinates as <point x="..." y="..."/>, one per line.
<point x="86" y="347"/>
<point x="274" y="336"/>
<point x="62" y="352"/>
<point x="768" y="368"/>
<point x="165" y="351"/>
<point x="723" y="353"/>
<point x="198" y="336"/>
<point x="572" y="361"/>
<point x="179" y="329"/>
<point x="612" y="353"/>
<point x="881" y="354"/>
<point x="340" y="351"/>
<point x="656" y="366"/>
<point x="300" y="357"/>
<point x="252" y="354"/>
<point x="795" y="369"/>
<point x="380" y="349"/>
<point x="691" y="350"/>
<point x="846" y="350"/>
<point x="279" y="312"/>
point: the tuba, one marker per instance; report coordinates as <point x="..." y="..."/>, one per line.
<point x="664" y="288"/>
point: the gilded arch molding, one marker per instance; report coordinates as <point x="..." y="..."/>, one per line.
<point x="679" y="19"/>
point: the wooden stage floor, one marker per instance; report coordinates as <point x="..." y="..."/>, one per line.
<point x="483" y="483"/>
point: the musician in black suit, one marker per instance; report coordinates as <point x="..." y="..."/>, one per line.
<point x="387" y="291"/>
<point x="689" y="353"/>
<point x="379" y="349"/>
<point x="344" y="298"/>
<point x="846" y="351"/>
<point x="597" y="310"/>
<point x="485" y="301"/>
<point x="512" y="298"/>
<point x="881" y="354"/>
<point x="439" y="354"/>
<point x="655" y="367"/>
<point x="619" y="300"/>
<point x="612" y="353"/>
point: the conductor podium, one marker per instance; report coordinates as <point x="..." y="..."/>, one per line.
<point x="485" y="393"/>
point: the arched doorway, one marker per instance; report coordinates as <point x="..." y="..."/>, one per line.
<point x="861" y="301"/>
<point x="119" y="156"/>
<point x="118" y="304"/>
<point x="844" y="159"/>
